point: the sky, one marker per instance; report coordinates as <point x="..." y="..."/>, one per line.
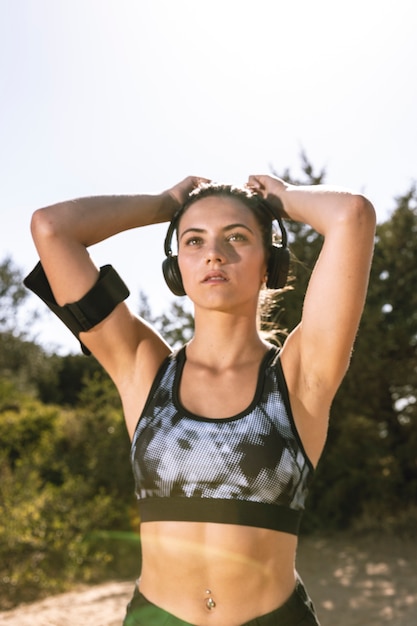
<point x="130" y="96"/>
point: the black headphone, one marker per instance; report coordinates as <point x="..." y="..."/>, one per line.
<point x="278" y="262"/>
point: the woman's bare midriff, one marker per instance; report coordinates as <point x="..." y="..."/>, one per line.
<point x="216" y="574"/>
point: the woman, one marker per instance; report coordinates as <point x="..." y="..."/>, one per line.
<point x="230" y="428"/>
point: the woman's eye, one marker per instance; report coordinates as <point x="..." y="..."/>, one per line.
<point x="236" y="237"/>
<point x="193" y="241"/>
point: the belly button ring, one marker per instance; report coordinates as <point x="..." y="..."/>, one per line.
<point x="210" y="603"/>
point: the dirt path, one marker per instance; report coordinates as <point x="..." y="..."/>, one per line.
<point x="366" y="582"/>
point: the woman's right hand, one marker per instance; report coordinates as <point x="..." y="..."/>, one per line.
<point x="271" y="188"/>
<point x="180" y="192"/>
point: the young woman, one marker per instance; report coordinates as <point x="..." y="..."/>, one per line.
<point x="227" y="431"/>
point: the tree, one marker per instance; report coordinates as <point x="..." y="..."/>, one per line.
<point x="176" y="325"/>
<point x="372" y="439"/>
<point x="368" y="473"/>
<point x="382" y="378"/>
<point x="12" y="295"/>
<point x="20" y="360"/>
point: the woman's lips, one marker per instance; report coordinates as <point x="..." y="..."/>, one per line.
<point x="215" y="277"/>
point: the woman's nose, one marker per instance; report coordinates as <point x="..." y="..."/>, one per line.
<point x="215" y="253"/>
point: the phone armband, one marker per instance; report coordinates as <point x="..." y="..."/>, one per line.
<point x="91" y="309"/>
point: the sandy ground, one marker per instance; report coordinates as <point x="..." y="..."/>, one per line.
<point x="353" y="582"/>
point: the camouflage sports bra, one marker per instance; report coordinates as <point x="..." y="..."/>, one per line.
<point x="250" y="469"/>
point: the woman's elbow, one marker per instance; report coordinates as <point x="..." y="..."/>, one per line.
<point x="363" y="211"/>
<point x="358" y="215"/>
<point x="44" y="225"/>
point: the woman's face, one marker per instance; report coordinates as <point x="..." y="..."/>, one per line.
<point x="220" y="253"/>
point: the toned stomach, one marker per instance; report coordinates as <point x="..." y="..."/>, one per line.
<point x="238" y="571"/>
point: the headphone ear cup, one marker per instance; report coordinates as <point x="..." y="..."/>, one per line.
<point x="278" y="266"/>
<point x="172" y="275"/>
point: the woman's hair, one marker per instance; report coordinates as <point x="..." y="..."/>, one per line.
<point x="247" y="196"/>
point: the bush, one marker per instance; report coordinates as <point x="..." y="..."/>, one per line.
<point x="67" y="499"/>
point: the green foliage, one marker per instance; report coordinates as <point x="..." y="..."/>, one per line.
<point x="42" y="538"/>
<point x="20" y="361"/>
<point x="176" y="325"/>
<point x="63" y="477"/>
<point x="12" y="294"/>
<point x="381" y="382"/>
<point x="369" y="466"/>
<point x="63" y="378"/>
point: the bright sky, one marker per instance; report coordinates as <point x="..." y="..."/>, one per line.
<point x="126" y="96"/>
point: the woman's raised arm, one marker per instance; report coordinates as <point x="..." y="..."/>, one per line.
<point x="62" y="234"/>
<point x="317" y="353"/>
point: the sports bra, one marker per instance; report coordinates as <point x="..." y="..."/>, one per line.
<point x="250" y="469"/>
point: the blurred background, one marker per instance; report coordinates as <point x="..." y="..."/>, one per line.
<point x="107" y="97"/>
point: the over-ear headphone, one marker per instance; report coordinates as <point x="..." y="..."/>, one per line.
<point x="278" y="262"/>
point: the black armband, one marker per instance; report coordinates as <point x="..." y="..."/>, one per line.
<point x="91" y="309"/>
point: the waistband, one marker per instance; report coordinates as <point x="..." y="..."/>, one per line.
<point x="298" y="610"/>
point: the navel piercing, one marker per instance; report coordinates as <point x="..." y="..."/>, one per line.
<point x="210" y="603"/>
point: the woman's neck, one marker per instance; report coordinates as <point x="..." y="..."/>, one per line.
<point x="223" y="340"/>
